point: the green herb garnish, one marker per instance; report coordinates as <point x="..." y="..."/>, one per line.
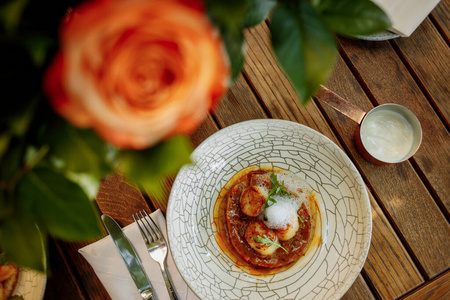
<point x="267" y="242"/>
<point x="301" y="219"/>
<point x="277" y="189"/>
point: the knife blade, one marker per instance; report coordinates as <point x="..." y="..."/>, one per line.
<point x="130" y="257"/>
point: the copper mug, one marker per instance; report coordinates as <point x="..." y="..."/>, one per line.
<point x="387" y="134"/>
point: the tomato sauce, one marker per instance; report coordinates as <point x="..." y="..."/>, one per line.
<point x="231" y="223"/>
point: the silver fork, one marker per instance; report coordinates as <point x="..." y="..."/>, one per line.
<point x="156" y="246"/>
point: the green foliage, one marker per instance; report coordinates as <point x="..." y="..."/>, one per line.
<point x="22" y="241"/>
<point x="148" y="167"/>
<point x="77" y="150"/>
<point x="229" y="16"/>
<point x="258" y="12"/>
<point x="303" y="36"/>
<point x="353" y="18"/>
<point x="304" y="46"/>
<point x="59" y="204"/>
<point x="10" y="14"/>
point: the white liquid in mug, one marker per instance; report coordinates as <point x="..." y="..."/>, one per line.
<point x="387" y="136"/>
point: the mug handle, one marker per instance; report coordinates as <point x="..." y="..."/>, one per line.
<point x="340" y="104"/>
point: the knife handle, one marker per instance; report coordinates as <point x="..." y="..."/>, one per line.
<point x="148" y="294"/>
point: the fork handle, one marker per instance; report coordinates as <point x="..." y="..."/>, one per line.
<point x="172" y="294"/>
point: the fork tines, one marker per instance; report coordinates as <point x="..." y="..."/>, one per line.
<point x="151" y="231"/>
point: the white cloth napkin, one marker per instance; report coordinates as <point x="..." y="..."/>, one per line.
<point x="112" y="272"/>
<point x="406" y="15"/>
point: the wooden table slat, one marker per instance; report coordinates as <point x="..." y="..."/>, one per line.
<point x="391" y="82"/>
<point x="436" y="289"/>
<point x="239" y="99"/>
<point x="117" y="196"/>
<point x="406" y="198"/>
<point x="60" y="267"/>
<point x="428" y="56"/>
<point x="359" y="290"/>
<point x="391" y="270"/>
<point x="442" y="16"/>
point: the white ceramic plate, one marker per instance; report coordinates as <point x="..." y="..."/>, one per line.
<point x="382" y="36"/>
<point x="30" y="285"/>
<point x="325" y="273"/>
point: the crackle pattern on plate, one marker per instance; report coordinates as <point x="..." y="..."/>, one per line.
<point x="30" y="285"/>
<point x="346" y="225"/>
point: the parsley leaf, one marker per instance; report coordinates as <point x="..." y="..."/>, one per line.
<point x="268" y="242"/>
<point x="277" y="189"/>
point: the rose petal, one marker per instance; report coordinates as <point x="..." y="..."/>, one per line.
<point x="138" y="71"/>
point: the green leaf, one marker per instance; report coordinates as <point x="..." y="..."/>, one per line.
<point x="268" y="242"/>
<point x="258" y="12"/>
<point x="5" y="137"/>
<point x="229" y="16"/>
<point x="274" y="179"/>
<point x="22" y="242"/>
<point x="21" y="116"/>
<point x="37" y="46"/>
<point x="304" y="46"/>
<point x="6" y="207"/>
<point x="148" y="167"/>
<point x="88" y="182"/>
<point x="10" y="14"/>
<point x="77" y="150"/>
<point x="12" y="161"/>
<point x="234" y="44"/>
<point x="33" y="156"/>
<point x="61" y="205"/>
<point x="277" y="189"/>
<point x="353" y="18"/>
<point x="3" y="259"/>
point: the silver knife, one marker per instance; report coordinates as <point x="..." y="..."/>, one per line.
<point x="130" y="257"/>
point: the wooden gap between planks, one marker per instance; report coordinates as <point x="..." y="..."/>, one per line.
<point x="357" y="76"/>
<point x="370" y="284"/>
<point x="69" y="266"/>
<point x="435" y="289"/>
<point x="257" y="96"/>
<point x="430" y="189"/>
<point x="439" y="29"/>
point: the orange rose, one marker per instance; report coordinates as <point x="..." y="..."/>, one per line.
<point x="138" y="71"/>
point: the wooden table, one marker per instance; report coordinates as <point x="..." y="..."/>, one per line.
<point x="409" y="256"/>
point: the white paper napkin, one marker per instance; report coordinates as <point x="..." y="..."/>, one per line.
<point x="406" y="15"/>
<point x="112" y="272"/>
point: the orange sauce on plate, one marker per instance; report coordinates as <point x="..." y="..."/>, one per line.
<point x="279" y="261"/>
